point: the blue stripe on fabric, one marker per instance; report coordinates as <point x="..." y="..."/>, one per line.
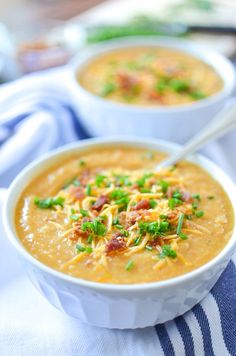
<point x="186" y="335"/>
<point x="224" y="293"/>
<point x="205" y="329"/>
<point x="165" y="341"/>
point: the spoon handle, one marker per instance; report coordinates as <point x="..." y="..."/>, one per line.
<point x="223" y="122"/>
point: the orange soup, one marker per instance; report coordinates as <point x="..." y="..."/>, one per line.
<point x="106" y="215"/>
<point x="150" y="76"/>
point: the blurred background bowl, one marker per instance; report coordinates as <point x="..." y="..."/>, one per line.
<point x="102" y="117"/>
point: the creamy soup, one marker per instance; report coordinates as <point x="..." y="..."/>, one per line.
<point x="150" y="76"/>
<point x="105" y="215"/>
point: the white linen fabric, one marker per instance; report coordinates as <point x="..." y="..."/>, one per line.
<point x="36" y="116"/>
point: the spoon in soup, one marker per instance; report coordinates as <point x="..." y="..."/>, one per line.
<point x="218" y="126"/>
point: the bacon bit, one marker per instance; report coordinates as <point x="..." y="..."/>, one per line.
<point x="115" y="245"/>
<point x="78" y="232"/>
<point x="126" y="81"/>
<point x="153" y="95"/>
<point x="122" y="218"/>
<point x="77" y="193"/>
<point x="155" y="242"/>
<point x="142" y="204"/>
<point x="134" y="216"/>
<point x="186" y="196"/>
<point x="100" y="202"/>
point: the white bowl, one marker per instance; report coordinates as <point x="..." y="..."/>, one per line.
<point x="102" y="117"/>
<point x="114" y="305"/>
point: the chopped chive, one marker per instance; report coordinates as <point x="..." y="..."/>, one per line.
<point x="149" y="248"/>
<point x="88" y="189"/>
<point x="199" y="213"/>
<point x="74" y="217"/>
<point x="118" y="226"/>
<point x="197" y="95"/>
<point x="195" y="205"/>
<point x="81" y="163"/>
<point x="129" y="265"/>
<point x="173" y="202"/>
<point x="180" y="223"/>
<point x="164" y="217"/>
<point x="164" y="186"/>
<point x="152" y="203"/>
<point x="83" y="212"/>
<point x="188" y="216"/>
<point x="99" y="180"/>
<point x="137" y="241"/>
<point x="145" y="190"/>
<point x="108" y="89"/>
<point x="90" y="239"/>
<point x="89" y="249"/>
<point x="49" y="202"/>
<point x="183" y="236"/>
<point x="80" y="248"/>
<point x="211" y="197"/>
<point x="196" y="196"/>
<point x="115" y="221"/>
<point x="167" y="251"/>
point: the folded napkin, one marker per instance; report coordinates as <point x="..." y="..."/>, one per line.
<point x="36" y="116"/>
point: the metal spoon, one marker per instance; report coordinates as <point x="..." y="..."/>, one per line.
<point x="223" y="122"/>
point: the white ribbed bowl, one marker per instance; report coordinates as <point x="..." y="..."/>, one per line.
<point x="110" y="305"/>
<point x="103" y="117"/>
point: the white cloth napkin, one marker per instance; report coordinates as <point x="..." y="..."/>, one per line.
<point x="35" y="117"/>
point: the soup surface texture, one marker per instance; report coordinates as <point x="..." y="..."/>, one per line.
<point x="105" y="215"/>
<point x="150" y="76"/>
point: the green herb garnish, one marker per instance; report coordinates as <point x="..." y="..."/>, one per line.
<point x="180" y="223"/>
<point x="74" y="217"/>
<point x="129" y="265"/>
<point x="183" y="236"/>
<point x="48" y="203"/>
<point x="141" y="182"/>
<point x="81" y="163"/>
<point x="81" y="248"/>
<point x="197" y="95"/>
<point x="211" y="197"/>
<point x="152" y="203"/>
<point x="199" y="213"/>
<point x="196" y="196"/>
<point x="167" y="251"/>
<point x="137" y="240"/>
<point x="108" y="89"/>
<point x="99" y="180"/>
<point x="164" y="186"/>
<point x="90" y="239"/>
<point x="149" y="248"/>
<point x="94" y="226"/>
<point x="173" y="202"/>
<point x="84" y="212"/>
<point x="88" y="189"/>
<point x="154" y="228"/>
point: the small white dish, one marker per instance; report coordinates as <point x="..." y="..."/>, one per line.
<point x="114" y="305"/>
<point x="102" y="117"/>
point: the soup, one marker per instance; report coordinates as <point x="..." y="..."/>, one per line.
<point x="105" y="215"/>
<point x="150" y="76"/>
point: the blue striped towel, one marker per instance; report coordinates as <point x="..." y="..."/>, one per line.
<point x="36" y="116"/>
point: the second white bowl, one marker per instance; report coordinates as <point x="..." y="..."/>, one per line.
<point x="102" y="117"/>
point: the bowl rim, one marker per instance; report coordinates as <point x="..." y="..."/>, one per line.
<point x="220" y="63"/>
<point x="20" y="183"/>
